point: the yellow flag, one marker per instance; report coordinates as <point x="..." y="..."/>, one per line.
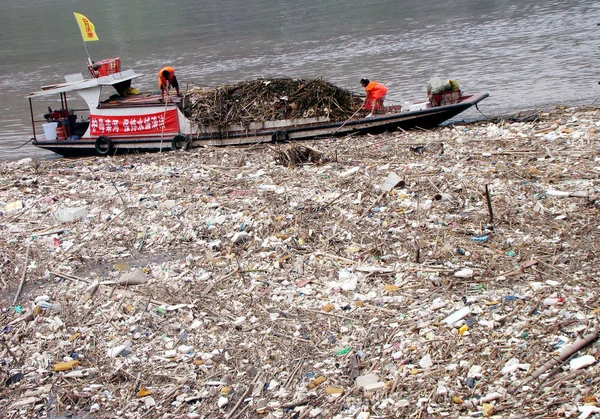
<point x="88" y="32"/>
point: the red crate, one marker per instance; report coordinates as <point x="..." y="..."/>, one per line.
<point x="105" y="67"/>
<point x="63" y="113"/>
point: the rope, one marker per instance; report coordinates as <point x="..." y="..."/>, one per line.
<point x="485" y="116"/>
<point x="26" y="142"/>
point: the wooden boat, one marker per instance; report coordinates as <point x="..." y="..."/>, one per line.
<point x="133" y="123"/>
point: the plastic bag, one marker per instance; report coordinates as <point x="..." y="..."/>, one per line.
<point x="434" y="86"/>
<point x="437" y="85"/>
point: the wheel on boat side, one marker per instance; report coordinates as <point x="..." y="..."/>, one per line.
<point x="104" y="146"/>
<point x="180" y="142"/>
<point x="280" y="137"/>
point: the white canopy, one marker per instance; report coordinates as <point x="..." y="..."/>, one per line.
<point x="79" y="83"/>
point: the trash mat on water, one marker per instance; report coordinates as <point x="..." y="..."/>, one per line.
<point x="371" y="282"/>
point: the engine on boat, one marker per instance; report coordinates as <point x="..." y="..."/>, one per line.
<point x="67" y="124"/>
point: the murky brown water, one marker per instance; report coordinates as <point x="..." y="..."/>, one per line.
<point x="526" y="54"/>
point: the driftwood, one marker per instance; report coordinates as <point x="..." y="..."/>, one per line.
<point x="296" y="155"/>
<point x="563" y="355"/>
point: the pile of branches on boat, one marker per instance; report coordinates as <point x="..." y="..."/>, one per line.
<point x="269" y="100"/>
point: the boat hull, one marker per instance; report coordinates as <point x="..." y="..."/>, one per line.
<point x="426" y="118"/>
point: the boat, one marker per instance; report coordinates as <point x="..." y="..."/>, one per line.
<point x="141" y="122"/>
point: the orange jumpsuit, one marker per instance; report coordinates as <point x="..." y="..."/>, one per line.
<point x="162" y="81"/>
<point x="375" y="91"/>
<point x="375" y="94"/>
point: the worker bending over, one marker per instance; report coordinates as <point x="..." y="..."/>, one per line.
<point x="166" y="79"/>
<point x="375" y="94"/>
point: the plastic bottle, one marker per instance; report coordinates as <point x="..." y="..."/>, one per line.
<point x="552" y="301"/>
<point x="45" y="306"/>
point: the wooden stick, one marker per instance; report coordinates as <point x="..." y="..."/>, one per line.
<point x="118" y="192"/>
<point x="111" y="220"/>
<point x="489" y="204"/>
<point x="10" y="185"/>
<point x="348" y="120"/>
<point x="16" y="217"/>
<point x="211" y="285"/>
<point x="48" y="232"/>
<point x="70" y="277"/>
<point x="293" y="374"/>
<point x="3" y="343"/>
<point x="22" y="277"/>
<point x="371" y="206"/>
<point x="248" y="391"/>
<point x="338" y="197"/>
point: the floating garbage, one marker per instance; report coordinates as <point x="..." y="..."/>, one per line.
<point x="464" y="273"/>
<point x="582" y="362"/>
<point x="136" y="277"/>
<point x="457" y="315"/>
<point x="479" y="239"/>
<point x="67" y="215"/>
<point x="231" y="282"/>
<point x="13" y="206"/>
<point x="391" y="181"/>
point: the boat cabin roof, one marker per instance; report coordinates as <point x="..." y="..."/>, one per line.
<point x="76" y="82"/>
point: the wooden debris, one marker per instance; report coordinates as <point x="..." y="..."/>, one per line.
<point x="296" y="155"/>
<point x="270" y="100"/>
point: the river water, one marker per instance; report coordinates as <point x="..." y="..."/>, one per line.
<point x="527" y="54"/>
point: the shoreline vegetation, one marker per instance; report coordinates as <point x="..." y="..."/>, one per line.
<point x="450" y="272"/>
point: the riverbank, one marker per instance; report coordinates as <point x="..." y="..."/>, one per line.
<point x="427" y="273"/>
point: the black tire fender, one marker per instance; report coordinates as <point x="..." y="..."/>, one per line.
<point x="104" y="145"/>
<point x="180" y="142"/>
<point x="280" y="137"/>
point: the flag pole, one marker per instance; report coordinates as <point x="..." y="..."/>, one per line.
<point x="88" y="53"/>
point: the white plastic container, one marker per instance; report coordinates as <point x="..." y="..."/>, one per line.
<point x="457" y="315"/>
<point x="50" y="130"/>
<point x="552" y="301"/>
<point x="66" y="215"/>
<point x="417" y="107"/>
<point x="391" y="181"/>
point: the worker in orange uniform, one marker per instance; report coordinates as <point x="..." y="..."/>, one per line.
<point x="375" y="95"/>
<point x="166" y="79"/>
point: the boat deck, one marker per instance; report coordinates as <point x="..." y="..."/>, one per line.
<point x="141" y="100"/>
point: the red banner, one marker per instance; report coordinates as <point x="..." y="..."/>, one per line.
<point x="151" y="123"/>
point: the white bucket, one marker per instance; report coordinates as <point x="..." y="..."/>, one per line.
<point x="50" y="130"/>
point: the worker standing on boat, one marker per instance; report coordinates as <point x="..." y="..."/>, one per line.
<point x="166" y="80"/>
<point x="375" y="95"/>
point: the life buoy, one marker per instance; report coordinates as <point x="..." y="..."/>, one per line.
<point x="104" y="145"/>
<point x="180" y="142"/>
<point x="280" y="137"/>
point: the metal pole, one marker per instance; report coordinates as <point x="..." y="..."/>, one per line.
<point x="87" y="52"/>
<point x="68" y="128"/>
<point x="32" y="119"/>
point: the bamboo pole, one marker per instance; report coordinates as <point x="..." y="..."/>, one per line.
<point x="563" y="355"/>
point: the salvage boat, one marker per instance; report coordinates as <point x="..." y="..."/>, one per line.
<point x="118" y="119"/>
